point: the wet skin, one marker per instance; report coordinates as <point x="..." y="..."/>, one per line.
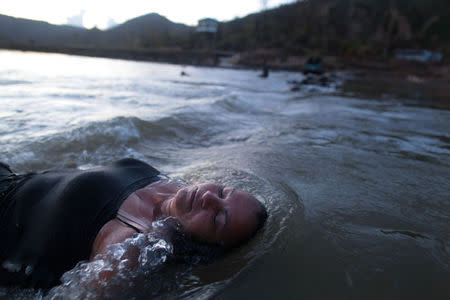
<point x="214" y="213"/>
<point x="210" y="212"/>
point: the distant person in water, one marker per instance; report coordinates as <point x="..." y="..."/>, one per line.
<point x="265" y="71"/>
<point x="51" y="220"/>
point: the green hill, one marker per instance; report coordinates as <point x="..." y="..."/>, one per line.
<point x="335" y="27"/>
<point x="151" y="30"/>
<point x="346" y="27"/>
<point x="23" y="31"/>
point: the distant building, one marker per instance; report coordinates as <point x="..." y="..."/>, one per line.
<point x="111" y="23"/>
<point x="76" y="20"/>
<point x="207" y="25"/>
<point x="419" y="55"/>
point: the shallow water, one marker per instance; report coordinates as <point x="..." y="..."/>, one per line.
<point x="356" y="184"/>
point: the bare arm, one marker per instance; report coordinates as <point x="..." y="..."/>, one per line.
<point x="112" y="232"/>
<point x="100" y="271"/>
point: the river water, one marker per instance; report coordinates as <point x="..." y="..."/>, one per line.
<point x="357" y="185"/>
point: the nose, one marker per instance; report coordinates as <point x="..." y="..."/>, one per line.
<point x="210" y="200"/>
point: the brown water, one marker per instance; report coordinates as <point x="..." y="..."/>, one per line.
<point x="356" y="179"/>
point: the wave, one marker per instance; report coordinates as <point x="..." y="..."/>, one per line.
<point x="100" y="141"/>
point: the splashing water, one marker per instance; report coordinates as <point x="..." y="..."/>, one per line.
<point x="124" y="265"/>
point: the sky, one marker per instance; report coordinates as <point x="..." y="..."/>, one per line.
<point x="105" y="13"/>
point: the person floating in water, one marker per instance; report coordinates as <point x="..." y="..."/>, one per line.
<point x="51" y="220"/>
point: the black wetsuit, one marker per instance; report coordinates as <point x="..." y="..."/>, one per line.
<point x="49" y="220"/>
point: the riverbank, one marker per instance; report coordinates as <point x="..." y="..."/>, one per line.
<point x="275" y="58"/>
<point x="418" y="84"/>
<point x="414" y="71"/>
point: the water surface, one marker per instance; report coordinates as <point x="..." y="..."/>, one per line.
<point x="356" y="183"/>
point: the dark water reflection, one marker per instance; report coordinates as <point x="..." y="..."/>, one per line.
<point x="410" y="89"/>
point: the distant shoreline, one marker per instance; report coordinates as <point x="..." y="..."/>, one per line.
<point x="176" y="56"/>
<point x="413" y="71"/>
<point x="424" y="84"/>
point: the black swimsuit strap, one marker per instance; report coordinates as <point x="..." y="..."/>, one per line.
<point x="129" y="225"/>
